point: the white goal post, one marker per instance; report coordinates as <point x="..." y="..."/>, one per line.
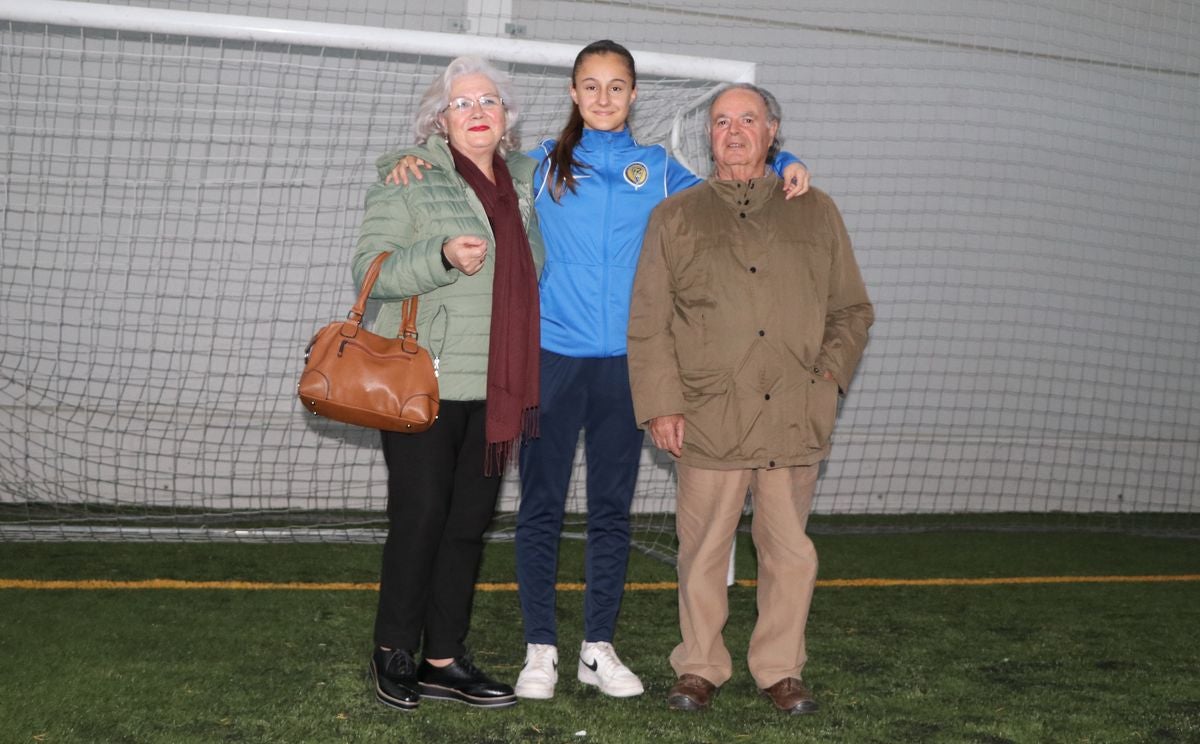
<point x="195" y="24"/>
<point x="344" y="36"/>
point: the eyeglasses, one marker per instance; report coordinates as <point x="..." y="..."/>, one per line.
<point x="464" y="104"/>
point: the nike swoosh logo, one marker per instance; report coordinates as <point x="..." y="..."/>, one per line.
<point x="593" y="666"/>
<point x="553" y="664"/>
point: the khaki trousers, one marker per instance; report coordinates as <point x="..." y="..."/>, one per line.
<point x="709" y="505"/>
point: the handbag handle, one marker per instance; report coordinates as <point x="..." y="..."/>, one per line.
<point x="408" y="311"/>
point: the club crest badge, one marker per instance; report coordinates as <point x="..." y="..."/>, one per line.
<point x="636" y="174"/>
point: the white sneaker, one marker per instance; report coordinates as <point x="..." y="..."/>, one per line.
<point x="599" y="666"/>
<point x="540" y="673"/>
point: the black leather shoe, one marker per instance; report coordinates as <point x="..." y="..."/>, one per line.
<point x="464" y="682"/>
<point x="395" y="675"/>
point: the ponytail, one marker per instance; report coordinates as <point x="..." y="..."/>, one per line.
<point x="562" y="157"/>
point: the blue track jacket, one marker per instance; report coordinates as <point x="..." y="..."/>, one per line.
<point x="594" y="236"/>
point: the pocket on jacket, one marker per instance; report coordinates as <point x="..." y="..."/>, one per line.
<point x="438" y="331"/>
<point x="710" y="412"/>
<point x="693" y="278"/>
<point x="703" y="383"/>
<point x="822" y="410"/>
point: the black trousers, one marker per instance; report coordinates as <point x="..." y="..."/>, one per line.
<point x="439" y="505"/>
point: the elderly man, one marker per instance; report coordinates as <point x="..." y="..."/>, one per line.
<point x="748" y="318"/>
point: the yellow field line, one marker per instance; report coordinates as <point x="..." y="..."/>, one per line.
<point x="94" y="584"/>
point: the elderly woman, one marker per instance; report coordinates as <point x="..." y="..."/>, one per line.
<point x="466" y="241"/>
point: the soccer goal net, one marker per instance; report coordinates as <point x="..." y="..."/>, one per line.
<point x="181" y="196"/>
<point x="180" y="193"/>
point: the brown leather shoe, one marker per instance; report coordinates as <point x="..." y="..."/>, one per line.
<point x="791" y="696"/>
<point x="691" y="692"/>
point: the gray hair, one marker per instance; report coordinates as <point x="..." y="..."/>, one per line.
<point x="427" y="119"/>
<point x="774" y="112"/>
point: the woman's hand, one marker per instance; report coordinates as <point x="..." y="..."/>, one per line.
<point x="410" y="164"/>
<point x="795" y="180"/>
<point x="466" y="253"/>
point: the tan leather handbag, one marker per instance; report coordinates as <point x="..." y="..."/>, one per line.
<point x="354" y="376"/>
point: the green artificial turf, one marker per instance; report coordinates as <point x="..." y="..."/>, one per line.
<point x="1097" y="662"/>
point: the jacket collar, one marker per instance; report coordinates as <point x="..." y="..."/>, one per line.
<point x="439" y="152"/>
<point x="746" y="196"/>
<point x="436" y="151"/>
<point x="594" y="139"/>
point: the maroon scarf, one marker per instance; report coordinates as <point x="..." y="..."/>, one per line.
<point x="512" y="377"/>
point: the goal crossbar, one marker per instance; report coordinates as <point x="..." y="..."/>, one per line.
<point x="347" y="36"/>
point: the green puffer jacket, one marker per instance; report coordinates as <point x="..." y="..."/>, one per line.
<point x="454" y="316"/>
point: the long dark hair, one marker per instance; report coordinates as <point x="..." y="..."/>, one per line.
<point x="562" y="157"/>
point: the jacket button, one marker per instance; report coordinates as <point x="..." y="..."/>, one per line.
<point x="743" y="214"/>
<point x="770" y="463"/>
<point x="762" y="333"/>
<point x="753" y="270"/>
<point x="767" y="396"/>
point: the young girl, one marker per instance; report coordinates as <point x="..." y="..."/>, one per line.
<point x="594" y="190"/>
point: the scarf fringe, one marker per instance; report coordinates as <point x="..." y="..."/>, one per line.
<point x="498" y="455"/>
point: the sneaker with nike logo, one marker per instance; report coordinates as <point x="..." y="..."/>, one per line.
<point x="540" y="673"/>
<point x="599" y="666"/>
